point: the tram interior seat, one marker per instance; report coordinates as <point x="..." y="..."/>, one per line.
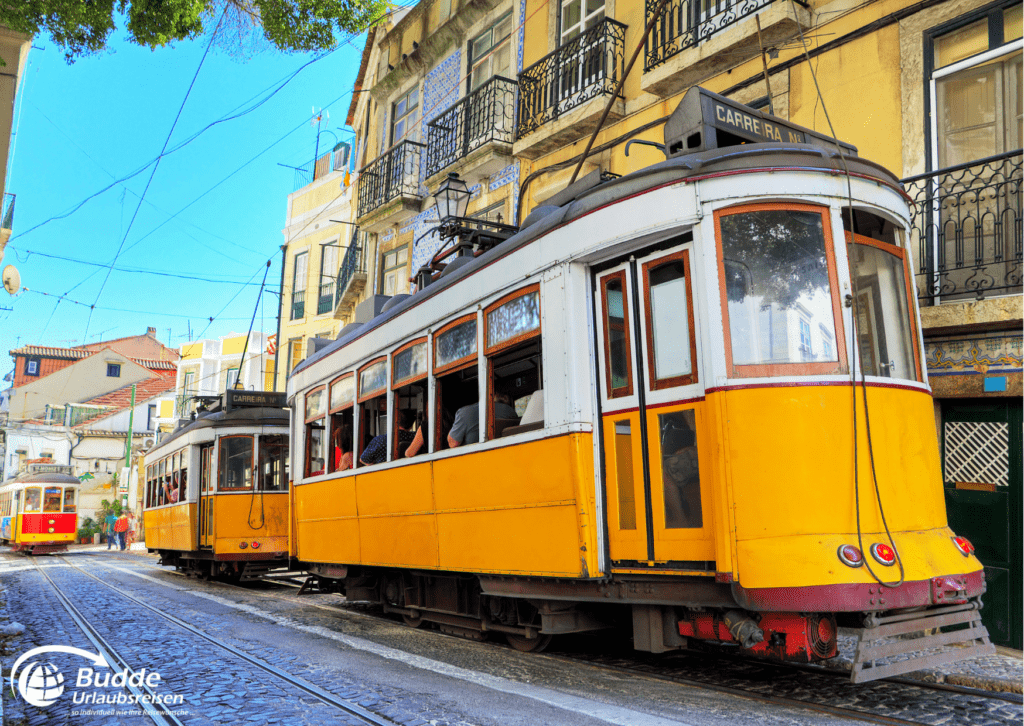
<point x="533" y="416"/>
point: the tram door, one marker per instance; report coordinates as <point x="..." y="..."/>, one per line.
<point x="206" y="498"/>
<point x="658" y="504"/>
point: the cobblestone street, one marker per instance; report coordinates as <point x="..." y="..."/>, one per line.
<point x="258" y="654"/>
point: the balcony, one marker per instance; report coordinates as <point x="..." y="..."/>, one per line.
<point x="560" y="89"/>
<point x="479" y="128"/>
<point x="320" y="167"/>
<point x="389" y="186"/>
<point x="325" y="301"/>
<point x="298" y="304"/>
<point x="351" y="280"/>
<point x="966" y="230"/>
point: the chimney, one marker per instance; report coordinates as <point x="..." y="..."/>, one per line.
<point x="151" y="332"/>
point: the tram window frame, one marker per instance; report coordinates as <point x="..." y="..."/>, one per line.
<point x="183" y="483"/>
<point x="896" y="250"/>
<point x="773" y="370"/>
<point x="315" y="431"/>
<point x="74" y="501"/>
<point x="222" y="462"/>
<point x="451" y="374"/>
<point x="375" y="398"/>
<point x="496" y="355"/>
<point x="412" y="386"/>
<point x="175" y="477"/>
<point x="161" y="483"/>
<point x="341" y="418"/>
<point x="626" y="390"/>
<point x="281" y="475"/>
<point x="687" y="379"/>
<point x="205" y="469"/>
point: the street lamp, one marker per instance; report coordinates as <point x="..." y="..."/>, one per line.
<point x="451" y="198"/>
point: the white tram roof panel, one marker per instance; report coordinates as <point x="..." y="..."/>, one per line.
<point x="591" y="193"/>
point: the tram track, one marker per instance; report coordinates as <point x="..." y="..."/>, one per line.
<point x="352" y="710"/>
<point x="777" y="677"/>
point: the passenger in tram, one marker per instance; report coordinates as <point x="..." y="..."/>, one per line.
<point x="32" y="500"/>
<point x="419" y="439"/>
<point x="343" y="449"/>
<point x="466" y="428"/>
<point x="376" y="452"/>
<point x="172" y="491"/>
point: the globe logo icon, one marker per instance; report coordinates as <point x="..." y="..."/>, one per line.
<point x="41" y="684"/>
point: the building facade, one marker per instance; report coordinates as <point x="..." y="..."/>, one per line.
<point x="210" y="367"/>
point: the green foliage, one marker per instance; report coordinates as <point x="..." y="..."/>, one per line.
<point x="83" y="27"/>
<point x="107" y="507"/>
<point x="87" y="528"/>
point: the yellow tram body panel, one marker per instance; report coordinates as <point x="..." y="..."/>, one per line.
<point x="526" y="509"/>
<point x="793" y="497"/>
<point x="235" y="517"/>
<point x="172" y="527"/>
<point x="23" y="537"/>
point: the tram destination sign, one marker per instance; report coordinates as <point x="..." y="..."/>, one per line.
<point x="49" y="469"/>
<point x="704" y="120"/>
<point x="234" y="398"/>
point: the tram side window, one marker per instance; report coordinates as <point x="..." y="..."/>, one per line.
<point x="373" y="413"/>
<point x="205" y="463"/>
<point x="69" y="501"/>
<point x="670" y="332"/>
<point x="679" y="470"/>
<point x="515" y="364"/>
<point x="315" y="433"/>
<point x="236" y="462"/>
<point x="161" y="483"/>
<point x="342" y="400"/>
<point x="409" y="380"/>
<point x="51" y="499"/>
<point x="457" y="377"/>
<point x="778" y="269"/>
<point x="274" y="463"/>
<point x="174" y="480"/>
<point x="616" y="335"/>
<point x="32" y="499"/>
<point x="183" y="483"/>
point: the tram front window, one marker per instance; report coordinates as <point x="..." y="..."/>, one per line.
<point x="32" y="498"/>
<point x="274" y="463"/>
<point x="69" y="501"/>
<point x="51" y="499"/>
<point x="779" y="276"/>
<point x="236" y="462"/>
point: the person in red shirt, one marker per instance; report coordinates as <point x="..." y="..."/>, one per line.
<point x="121" y="529"/>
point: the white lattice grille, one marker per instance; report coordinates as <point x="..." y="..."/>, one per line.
<point x="978" y="452"/>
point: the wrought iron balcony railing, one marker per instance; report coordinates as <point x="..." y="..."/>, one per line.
<point x="588" y="66"/>
<point x="485" y="115"/>
<point x="685" y="23"/>
<point x="352" y="264"/>
<point x="967" y="229"/>
<point x="7" y="214"/>
<point x="298" y="304"/>
<point x="325" y="301"/>
<point x="394" y="173"/>
<point x="336" y="160"/>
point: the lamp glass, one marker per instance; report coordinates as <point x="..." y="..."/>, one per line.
<point x="452" y="197"/>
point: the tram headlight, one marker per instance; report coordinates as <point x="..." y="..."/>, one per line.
<point x="850" y="556"/>
<point x="883" y="554"/>
<point x="964" y="545"/>
<point x="50" y="530"/>
<point x="242" y="545"/>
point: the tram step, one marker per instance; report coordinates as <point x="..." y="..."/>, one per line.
<point x="881" y="640"/>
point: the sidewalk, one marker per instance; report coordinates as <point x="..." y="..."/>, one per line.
<point x="138" y="548"/>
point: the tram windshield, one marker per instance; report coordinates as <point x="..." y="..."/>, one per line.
<point x="51" y="499"/>
<point x="236" y="462"/>
<point x="32" y="499"/>
<point x="274" y="463"/>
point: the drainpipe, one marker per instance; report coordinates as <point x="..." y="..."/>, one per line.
<point x="280" y="310"/>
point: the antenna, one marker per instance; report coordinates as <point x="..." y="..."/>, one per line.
<point x="12" y="279"/>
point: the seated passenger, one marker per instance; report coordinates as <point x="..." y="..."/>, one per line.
<point x="466" y="428"/>
<point x="172" y="494"/>
<point x="376" y="452"/>
<point x="419" y="439"/>
<point x="343" y="450"/>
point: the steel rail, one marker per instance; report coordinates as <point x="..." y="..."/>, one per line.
<point x="113" y="657"/>
<point x="320" y="694"/>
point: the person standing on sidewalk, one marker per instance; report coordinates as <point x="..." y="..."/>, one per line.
<point x="108" y="527"/>
<point x="121" y="528"/>
<point x="131" y="529"/>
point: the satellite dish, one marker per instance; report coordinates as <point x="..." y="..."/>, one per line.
<point x="12" y="279"/>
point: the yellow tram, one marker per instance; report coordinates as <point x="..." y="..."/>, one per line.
<point x="216" y="497"/>
<point x="39" y="509"/>
<point x="701" y="411"/>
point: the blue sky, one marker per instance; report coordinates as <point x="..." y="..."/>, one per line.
<point x="81" y="127"/>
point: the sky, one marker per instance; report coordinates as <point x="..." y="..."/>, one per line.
<point x="214" y="209"/>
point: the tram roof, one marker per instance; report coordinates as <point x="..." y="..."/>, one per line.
<point x="585" y="196"/>
<point x="235" y="417"/>
<point x="44" y="478"/>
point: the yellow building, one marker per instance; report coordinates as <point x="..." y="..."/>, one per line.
<point x="209" y="367"/>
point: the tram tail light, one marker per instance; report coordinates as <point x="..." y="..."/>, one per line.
<point x="255" y="545"/>
<point x="964" y="545"/>
<point x="850" y="556"/>
<point x="883" y="553"/>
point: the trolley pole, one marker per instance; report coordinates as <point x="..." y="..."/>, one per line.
<point x="131" y="422"/>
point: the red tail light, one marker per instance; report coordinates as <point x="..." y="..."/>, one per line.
<point x="964" y="545"/>
<point x="883" y="553"/>
<point x="850" y="556"/>
<point x="255" y="545"/>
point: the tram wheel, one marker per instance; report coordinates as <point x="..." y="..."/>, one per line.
<point x="528" y="645"/>
<point x="414" y="621"/>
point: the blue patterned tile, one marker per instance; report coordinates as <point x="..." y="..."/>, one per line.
<point x="522" y="34"/>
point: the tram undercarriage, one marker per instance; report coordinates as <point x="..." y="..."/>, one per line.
<point x="208" y="566"/>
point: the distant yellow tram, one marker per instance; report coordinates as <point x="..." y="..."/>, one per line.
<point x="216" y="497"/>
<point x="690" y="400"/>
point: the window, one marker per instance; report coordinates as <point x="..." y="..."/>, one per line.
<point x="161" y="482"/>
<point x="315" y="433"/>
<point x="777" y="265"/>
<point x="515" y="374"/>
<point x="294" y="354"/>
<point x="328" y="276"/>
<point x="373" y="398"/>
<point x="409" y="382"/>
<point x="493" y="213"/>
<point x="174" y="488"/>
<point x="183" y="477"/>
<point x="680" y="472"/>
<point x="151" y="417"/>
<point x="403" y="117"/>
<point x="394" y="278"/>
<point x="382" y="64"/>
<point x="205" y="468"/>
<point x="32" y="495"/>
<point x="232" y="378"/>
<point x="32" y="367"/>
<point x="299" y="274"/>
<point x="579" y="15"/>
<point x="806" y="350"/>
<point x="236" y="462"/>
<point x="341" y="402"/>
<point x="617" y="356"/>
<point x="827" y="346"/>
<point x="51" y="499"/>
<point x="490" y="53"/>
<point x="113" y="370"/>
<point x="457" y="384"/>
<point x="69" y="500"/>
<point x="976" y="81"/>
<point x="274" y="463"/>
<point x="671" y="340"/>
